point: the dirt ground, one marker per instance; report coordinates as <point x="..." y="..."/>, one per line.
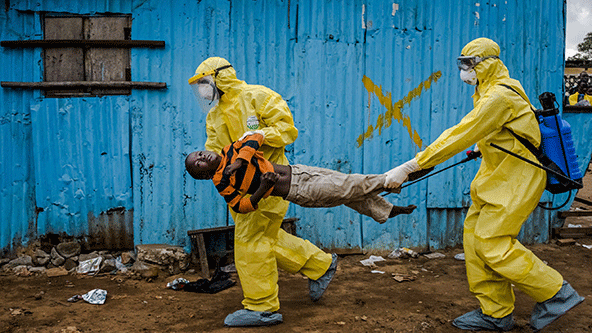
<point x="356" y="301"/>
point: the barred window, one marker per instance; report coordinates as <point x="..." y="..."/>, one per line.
<point x="76" y="62"/>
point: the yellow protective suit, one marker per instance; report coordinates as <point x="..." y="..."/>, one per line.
<point x="260" y="245"/>
<point x="504" y="192"/>
<point x="573" y="98"/>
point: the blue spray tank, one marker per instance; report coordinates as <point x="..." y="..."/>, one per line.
<point x="556" y="154"/>
<point x="557" y="143"/>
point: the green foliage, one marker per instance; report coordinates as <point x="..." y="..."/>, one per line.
<point x="584" y="49"/>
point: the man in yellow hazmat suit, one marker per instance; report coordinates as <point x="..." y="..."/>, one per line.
<point x="235" y="108"/>
<point x="504" y="193"/>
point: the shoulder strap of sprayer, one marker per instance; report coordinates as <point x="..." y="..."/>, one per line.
<point x="537" y="152"/>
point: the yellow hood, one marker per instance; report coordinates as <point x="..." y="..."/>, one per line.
<point x="225" y="79"/>
<point x="489" y="70"/>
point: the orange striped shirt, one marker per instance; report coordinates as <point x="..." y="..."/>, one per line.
<point x="245" y="180"/>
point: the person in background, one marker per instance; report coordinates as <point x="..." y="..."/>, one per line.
<point x="582" y="96"/>
<point x="504" y="193"/>
<point x="260" y="246"/>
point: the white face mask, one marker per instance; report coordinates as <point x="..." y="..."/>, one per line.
<point x="207" y="91"/>
<point x="469" y="76"/>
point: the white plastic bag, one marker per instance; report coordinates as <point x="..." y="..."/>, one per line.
<point x="95" y="296"/>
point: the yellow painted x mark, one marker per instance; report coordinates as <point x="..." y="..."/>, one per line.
<point x="393" y="110"/>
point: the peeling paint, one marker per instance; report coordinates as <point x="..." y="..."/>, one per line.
<point x="364" y="17"/>
<point x="395" y="9"/>
<point x="394" y="109"/>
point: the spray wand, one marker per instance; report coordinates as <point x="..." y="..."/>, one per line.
<point x="471" y="155"/>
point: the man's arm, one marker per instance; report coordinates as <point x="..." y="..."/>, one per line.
<point x="232" y="168"/>
<point x="246" y="148"/>
<point x="248" y="145"/>
<point x="268" y="180"/>
<point x="277" y="122"/>
<point x="238" y="202"/>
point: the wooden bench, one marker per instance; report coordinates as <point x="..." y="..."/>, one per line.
<point x="200" y="236"/>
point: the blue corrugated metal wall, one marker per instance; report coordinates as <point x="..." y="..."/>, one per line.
<point x="370" y="83"/>
<point x="82" y="165"/>
<point x="17" y="179"/>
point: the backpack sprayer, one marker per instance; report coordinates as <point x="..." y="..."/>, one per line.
<point x="556" y="154"/>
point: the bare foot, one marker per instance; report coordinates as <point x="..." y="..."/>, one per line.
<point x="401" y="210"/>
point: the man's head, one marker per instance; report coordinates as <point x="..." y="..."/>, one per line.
<point x="202" y="164"/>
<point x="211" y="81"/>
<point x="478" y="51"/>
<point x="583" y="86"/>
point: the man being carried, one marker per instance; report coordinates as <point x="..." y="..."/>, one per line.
<point x="242" y="169"/>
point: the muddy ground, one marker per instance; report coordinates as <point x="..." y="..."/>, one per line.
<point x="356" y="301"/>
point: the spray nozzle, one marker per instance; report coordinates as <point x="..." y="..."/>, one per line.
<point x="471" y="154"/>
<point x="548" y="103"/>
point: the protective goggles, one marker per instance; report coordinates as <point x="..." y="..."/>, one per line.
<point x="466" y="63"/>
<point x="214" y="72"/>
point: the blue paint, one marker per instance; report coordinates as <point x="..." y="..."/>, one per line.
<point x="77" y="158"/>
